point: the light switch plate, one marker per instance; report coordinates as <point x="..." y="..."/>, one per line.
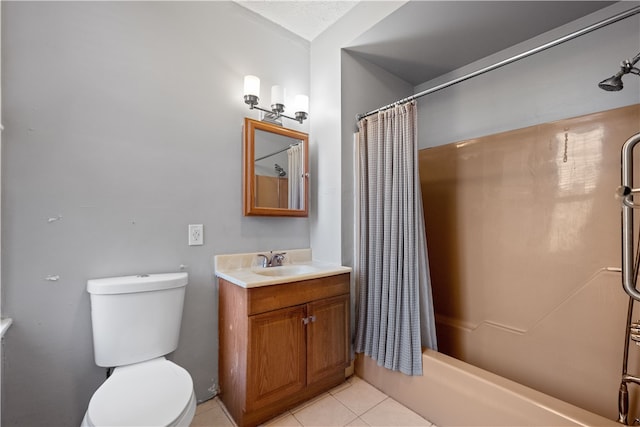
<point x="196" y="235"/>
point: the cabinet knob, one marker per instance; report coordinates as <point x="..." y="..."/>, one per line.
<point x="305" y="320"/>
<point x="312" y="318"/>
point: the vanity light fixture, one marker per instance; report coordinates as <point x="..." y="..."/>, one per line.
<point x="278" y="93"/>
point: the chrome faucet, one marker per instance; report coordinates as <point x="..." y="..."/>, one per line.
<point x="273" y="260"/>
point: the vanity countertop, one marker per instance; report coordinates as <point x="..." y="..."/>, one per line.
<point x="242" y="269"/>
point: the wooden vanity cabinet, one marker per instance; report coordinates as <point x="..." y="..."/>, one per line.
<point x="281" y="344"/>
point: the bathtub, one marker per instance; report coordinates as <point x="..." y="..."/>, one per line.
<point x="454" y="393"/>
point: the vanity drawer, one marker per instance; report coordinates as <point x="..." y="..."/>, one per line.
<point x="274" y="297"/>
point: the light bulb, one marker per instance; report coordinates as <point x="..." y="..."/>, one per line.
<point x="277" y="95"/>
<point x="301" y="104"/>
<point x="252" y="86"/>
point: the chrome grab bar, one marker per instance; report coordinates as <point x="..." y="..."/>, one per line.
<point x="632" y="332"/>
<point x="626" y="191"/>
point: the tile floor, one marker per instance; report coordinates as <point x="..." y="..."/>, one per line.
<point x="354" y="403"/>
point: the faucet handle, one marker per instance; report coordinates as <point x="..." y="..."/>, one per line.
<point x="278" y="259"/>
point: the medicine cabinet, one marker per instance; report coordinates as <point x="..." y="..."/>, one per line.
<point x="275" y="170"/>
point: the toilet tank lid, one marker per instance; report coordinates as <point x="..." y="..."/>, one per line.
<point x="139" y="283"/>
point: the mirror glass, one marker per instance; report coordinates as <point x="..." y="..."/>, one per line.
<point x="275" y="170"/>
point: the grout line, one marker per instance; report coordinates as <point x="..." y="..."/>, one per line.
<point x="283" y="415"/>
<point x="375" y="406"/>
<point x="297" y="420"/>
<point x="328" y="395"/>
<point x="348" y="409"/>
<point x="225" y="412"/>
<point x="340" y="388"/>
<point x="309" y="402"/>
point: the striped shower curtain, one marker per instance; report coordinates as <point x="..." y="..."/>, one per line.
<point x="394" y="311"/>
<point x="295" y="158"/>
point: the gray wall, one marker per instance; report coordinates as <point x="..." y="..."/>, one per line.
<point x="555" y="84"/>
<point x="124" y="119"/>
<point x="327" y="125"/>
<point x="365" y="87"/>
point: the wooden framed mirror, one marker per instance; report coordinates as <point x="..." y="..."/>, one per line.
<point x="275" y="170"/>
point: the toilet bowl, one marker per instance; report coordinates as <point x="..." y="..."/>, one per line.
<point x="152" y="393"/>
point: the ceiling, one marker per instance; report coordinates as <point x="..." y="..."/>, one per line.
<point x="425" y="39"/>
<point x="422" y="40"/>
<point x="307" y="18"/>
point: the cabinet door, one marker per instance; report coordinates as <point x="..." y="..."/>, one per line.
<point x="276" y="356"/>
<point x="327" y="337"/>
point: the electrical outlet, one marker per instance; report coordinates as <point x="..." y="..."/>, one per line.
<point x="196" y="235"/>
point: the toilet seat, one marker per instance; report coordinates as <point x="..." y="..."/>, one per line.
<point x="152" y="393"/>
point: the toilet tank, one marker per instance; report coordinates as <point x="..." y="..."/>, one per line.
<point x="136" y="318"/>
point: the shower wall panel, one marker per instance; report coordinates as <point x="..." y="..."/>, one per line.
<point x="524" y="245"/>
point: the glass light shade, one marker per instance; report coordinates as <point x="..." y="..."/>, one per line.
<point x="277" y="95"/>
<point x="301" y="104"/>
<point x="251" y="86"/>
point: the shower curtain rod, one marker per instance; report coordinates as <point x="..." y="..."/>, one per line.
<point x="571" y="36"/>
<point x="277" y="152"/>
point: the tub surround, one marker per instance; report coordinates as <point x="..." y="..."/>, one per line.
<point x="243" y="270"/>
<point x="526" y="230"/>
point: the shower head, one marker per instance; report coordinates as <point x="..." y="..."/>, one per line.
<point x="279" y="170"/>
<point x="614" y="83"/>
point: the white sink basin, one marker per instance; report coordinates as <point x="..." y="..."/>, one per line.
<point x="286" y="270"/>
<point x="241" y="269"/>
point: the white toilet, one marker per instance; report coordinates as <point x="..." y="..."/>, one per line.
<point x="136" y="321"/>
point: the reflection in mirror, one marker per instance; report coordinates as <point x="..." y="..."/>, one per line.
<point x="275" y="175"/>
<point x="278" y="171"/>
